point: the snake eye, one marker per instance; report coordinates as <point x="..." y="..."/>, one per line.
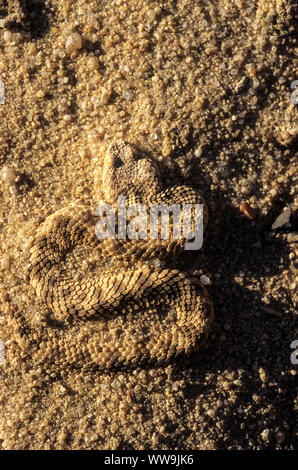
<point x="117" y="162"/>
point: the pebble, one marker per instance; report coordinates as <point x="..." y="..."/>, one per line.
<point x="2" y="92"/>
<point x="7" y="36"/>
<point x="5" y="263"/>
<point x="40" y="94"/>
<point x="263" y="375"/>
<point x="62" y="390"/>
<point x="8" y="175"/>
<point x="93" y="63"/>
<point x="13" y="190"/>
<point x="265" y="435"/>
<point x="73" y="43"/>
<point x="156" y="262"/>
<point x="256" y="398"/>
<point x="128" y="95"/>
<point x="211" y="413"/>
<point x="282" y="219"/>
<point x="115" y="384"/>
<point x="151" y="15"/>
<point x="105" y="387"/>
<point x="205" y="280"/>
<point x="280" y="437"/>
<point x="105" y="96"/>
<point x="248" y="211"/>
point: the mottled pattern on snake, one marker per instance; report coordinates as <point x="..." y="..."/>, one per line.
<point x="127" y="314"/>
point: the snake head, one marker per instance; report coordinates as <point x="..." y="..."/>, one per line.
<point x="127" y="173"/>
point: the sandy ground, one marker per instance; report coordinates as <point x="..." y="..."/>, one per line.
<point x="205" y="88"/>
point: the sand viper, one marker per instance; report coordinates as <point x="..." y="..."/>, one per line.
<point x="130" y="311"/>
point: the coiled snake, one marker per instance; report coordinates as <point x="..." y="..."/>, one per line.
<point x="131" y="311"/>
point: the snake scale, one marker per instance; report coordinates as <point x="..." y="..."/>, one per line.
<point x="129" y="312"/>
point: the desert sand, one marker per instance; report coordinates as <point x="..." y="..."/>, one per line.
<point x="207" y="89"/>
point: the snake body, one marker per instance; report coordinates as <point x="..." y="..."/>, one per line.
<point x="128" y="313"/>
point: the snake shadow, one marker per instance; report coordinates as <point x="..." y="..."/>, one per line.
<point x="254" y="323"/>
<point x="253" y="327"/>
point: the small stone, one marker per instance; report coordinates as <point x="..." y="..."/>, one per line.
<point x="263" y="375"/>
<point x="105" y="387"/>
<point x="8" y="175"/>
<point x="5" y="263"/>
<point x="73" y="43"/>
<point x="128" y="95"/>
<point x="93" y="63"/>
<point x="205" y="280"/>
<point x="105" y="96"/>
<point x="115" y="384"/>
<point x="151" y="15"/>
<point x="256" y="398"/>
<point x="265" y="435"/>
<point x="280" y="437"/>
<point x="251" y="70"/>
<point x="2" y="22"/>
<point x="198" y="152"/>
<point x="2" y="92"/>
<point x="7" y="36"/>
<point x="13" y="190"/>
<point x="248" y="211"/>
<point x="40" y="94"/>
<point x="153" y="373"/>
<point x="282" y="219"/>
<point x="227" y="44"/>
